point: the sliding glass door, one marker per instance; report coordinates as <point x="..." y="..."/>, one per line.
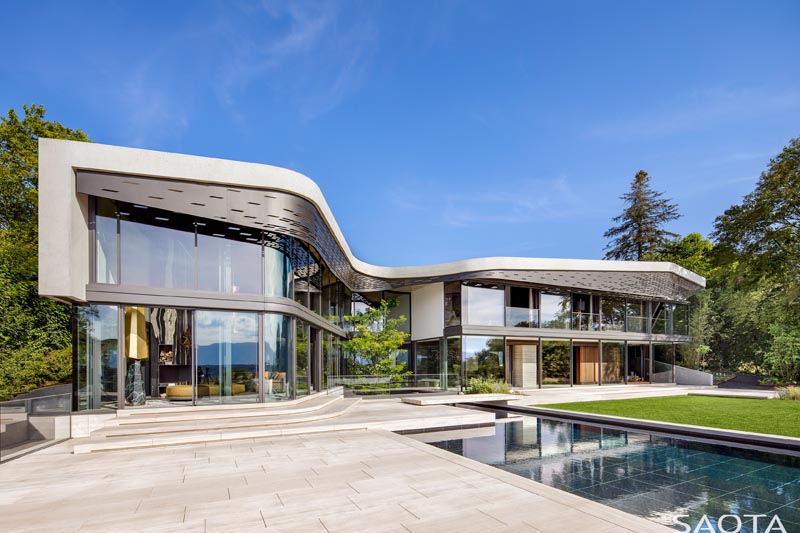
<point x="227" y="357"/>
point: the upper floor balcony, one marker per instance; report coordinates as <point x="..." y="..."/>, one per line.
<point x="489" y="304"/>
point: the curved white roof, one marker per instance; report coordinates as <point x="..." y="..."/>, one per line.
<point x="284" y="201"/>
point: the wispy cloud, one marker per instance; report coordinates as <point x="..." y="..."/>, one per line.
<point x="699" y="187"/>
<point x="521" y="202"/>
<point x="697" y="111"/>
<point x="149" y="108"/>
<point x="304" y="56"/>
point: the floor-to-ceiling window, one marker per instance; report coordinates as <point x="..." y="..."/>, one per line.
<point x="106" y="246"/>
<point x="157" y="344"/>
<point x="452" y="303"/>
<point x="612" y="314"/>
<point x="663" y="361"/>
<point x="428" y="358"/>
<point x="228" y="258"/>
<point x="278" y="275"/>
<point x="156" y="248"/>
<point x="638" y="362"/>
<point x="635" y="316"/>
<point x="556" y="310"/>
<point x="680" y="319"/>
<point x="331" y="360"/>
<point x="484" y="305"/>
<point x="521" y="308"/>
<point x="453" y="368"/>
<point x="98" y="356"/>
<point x="556" y="360"/>
<point x="612" y="366"/>
<point x="304" y="346"/>
<point x="227" y="356"/>
<point x="484" y="357"/>
<point x="277" y="347"/>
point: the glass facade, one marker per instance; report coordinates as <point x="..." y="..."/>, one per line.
<point x="227" y="357"/>
<point x="106" y="246"/>
<point x="132" y="355"/>
<point x="613" y="314"/>
<point x="485" y="306"/>
<point x="331" y="359"/>
<point x="428" y="358"/>
<point x="228" y="259"/>
<point x="453" y="367"/>
<point x="277" y="348"/>
<point x="156" y="248"/>
<point x="304" y="347"/>
<point x="636" y="316"/>
<point x="163" y="249"/>
<point x="97" y="347"/>
<point x="638" y="362"/>
<point x="555" y="310"/>
<point x="452" y="303"/>
<point x="663" y="361"/>
<point x="612" y="367"/>
<point x="556" y="362"/>
<point x="484" y="357"/>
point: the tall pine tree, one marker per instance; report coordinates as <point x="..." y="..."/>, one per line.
<point x="640" y="230"/>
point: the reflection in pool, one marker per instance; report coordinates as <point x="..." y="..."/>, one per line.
<point x="647" y="475"/>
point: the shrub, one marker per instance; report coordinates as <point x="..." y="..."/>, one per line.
<point x="789" y="393"/>
<point x="783" y="356"/>
<point x="481" y="385"/>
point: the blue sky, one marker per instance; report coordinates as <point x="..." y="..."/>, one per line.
<point x="436" y="130"/>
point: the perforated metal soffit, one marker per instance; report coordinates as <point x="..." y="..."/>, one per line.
<point x="285" y="213"/>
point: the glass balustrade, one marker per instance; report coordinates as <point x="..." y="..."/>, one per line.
<point x="518" y="317"/>
<point x="586" y="321"/>
<point x="636" y="324"/>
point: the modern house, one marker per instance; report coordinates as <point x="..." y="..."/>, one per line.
<point x="200" y="281"/>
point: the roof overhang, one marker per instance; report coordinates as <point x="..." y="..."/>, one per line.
<point x="282" y="201"/>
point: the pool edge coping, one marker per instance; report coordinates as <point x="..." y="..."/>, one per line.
<point x="777" y="443"/>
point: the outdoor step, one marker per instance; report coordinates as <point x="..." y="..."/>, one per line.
<point x="101" y="441"/>
<point x="141" y="412"/>
<point x="333" y="408"/>
<point x="276" y="409"/>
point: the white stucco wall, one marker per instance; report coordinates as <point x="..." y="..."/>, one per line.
<point x="64" y="238"/>
<point x="427" y="311"/>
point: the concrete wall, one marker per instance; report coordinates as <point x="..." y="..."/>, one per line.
<point x="64" y="240"/>
<point x="427" y="312"/>
<point x="687" y="376"/>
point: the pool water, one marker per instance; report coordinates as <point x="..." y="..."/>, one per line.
<point x="647" y="475"/>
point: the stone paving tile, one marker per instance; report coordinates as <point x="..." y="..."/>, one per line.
<point x="347" y="481"/>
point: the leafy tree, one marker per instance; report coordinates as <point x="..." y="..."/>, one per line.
<point x="694" y="253"/>
<point x="782" y="357"/>
<point x="376" y="340"/>
<point x="34" y="331"/>
<point x="640" y="228"/>
<point x="757" y="294"/>
<point x="764" y="230"/>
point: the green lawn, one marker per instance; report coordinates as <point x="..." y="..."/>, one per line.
<point x="776" y="417"/>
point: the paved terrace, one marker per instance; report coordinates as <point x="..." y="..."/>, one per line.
<point x="342" y="474"/>
<point x="363" y="480"/>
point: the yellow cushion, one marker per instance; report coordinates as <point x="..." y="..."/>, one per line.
<point x="179" y="390"/>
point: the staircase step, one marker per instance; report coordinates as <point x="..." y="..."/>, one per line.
<point x="141" y="412"/>
<point x="190" y="415"/>
<point x="332" y="409"/>
<point x="101" y="441"/>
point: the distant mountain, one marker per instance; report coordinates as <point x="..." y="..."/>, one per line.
<point x="241" y="353"/>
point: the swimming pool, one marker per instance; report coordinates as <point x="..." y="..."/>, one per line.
<point x="647" y="475"/>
